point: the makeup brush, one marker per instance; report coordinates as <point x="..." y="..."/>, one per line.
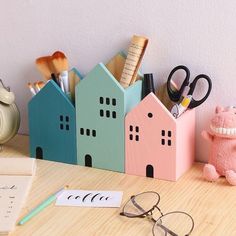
<point x="60" y="63"/>
<point x="54" y="78"/>
<point x="32" y="90"/>
<point x="45" y="67"/>
<point x="41" y="84"/>
<point x="37" y="89"/>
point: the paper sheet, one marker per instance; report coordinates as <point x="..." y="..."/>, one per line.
<point x="17" y="166"/>
<point x="16" y="176"/>
<point x="87" y="198"/>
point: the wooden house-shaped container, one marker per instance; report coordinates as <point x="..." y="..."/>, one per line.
<point x="101" y="106"/>
<point x="52" y="125"/>
<point x="157" y="144"/>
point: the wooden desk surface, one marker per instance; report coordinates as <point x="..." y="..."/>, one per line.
<point x="212" y="205"/>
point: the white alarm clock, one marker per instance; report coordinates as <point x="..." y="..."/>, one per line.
<point x="9" y="114"/>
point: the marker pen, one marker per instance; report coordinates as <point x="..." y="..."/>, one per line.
<point x="178" y="109"/>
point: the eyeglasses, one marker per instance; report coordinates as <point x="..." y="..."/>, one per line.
<point x="175" y="223"/>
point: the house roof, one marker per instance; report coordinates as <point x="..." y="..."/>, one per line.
<point x="51" y="88"/>
<point x="151" y="101"/>
<point x="100" y="72"/>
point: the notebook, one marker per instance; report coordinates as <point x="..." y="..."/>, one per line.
<point x="16" y="176"/>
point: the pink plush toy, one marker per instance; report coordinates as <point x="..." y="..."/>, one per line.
<point x="222" y="159"/>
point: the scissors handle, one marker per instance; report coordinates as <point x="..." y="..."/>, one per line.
<point x="176" y="95"/>
<point x="195" y="103"/>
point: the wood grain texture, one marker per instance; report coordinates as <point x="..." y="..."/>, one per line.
<point x="212" y="205"/>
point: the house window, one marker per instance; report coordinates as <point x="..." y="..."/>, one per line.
<point x="81" y="131"/>
<point x="113" y="101"/>
<point x="64" y="122"/>
<point x="134" y="133"/>
<point x="166" y="137"/>
<point x="107" y="113"/>
<point x="101" y="100"/>
<point x="114" y="114"/>
<point x="94" y="133"/>
<point x="130" y="128"/>
<point x="88" y="132"/>
<point x="108" y="105"/>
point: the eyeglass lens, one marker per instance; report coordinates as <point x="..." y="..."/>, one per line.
<point x="141" y="204"/>
<point x="173" y="224"/>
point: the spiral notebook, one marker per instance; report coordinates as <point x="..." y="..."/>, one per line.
<point x="16" y="176"/>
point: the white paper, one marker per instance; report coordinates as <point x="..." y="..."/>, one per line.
<point x="87" y="198"/>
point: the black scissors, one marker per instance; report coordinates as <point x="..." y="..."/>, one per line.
<point x="175" y="96"/>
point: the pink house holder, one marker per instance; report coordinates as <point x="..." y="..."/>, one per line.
<point x="157" y="144"/>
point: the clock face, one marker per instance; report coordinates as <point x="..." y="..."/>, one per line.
<point x="9" y="121"/>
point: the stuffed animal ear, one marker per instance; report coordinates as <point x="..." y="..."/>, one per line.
<point x="219" y="109"/>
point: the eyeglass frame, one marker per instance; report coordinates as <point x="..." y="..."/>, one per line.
<point x="148" y="214"/>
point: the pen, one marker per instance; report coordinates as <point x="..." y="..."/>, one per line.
<point x="148" y="85"/>
<point x="41" y="206"/>
<point x="178" y="109"/>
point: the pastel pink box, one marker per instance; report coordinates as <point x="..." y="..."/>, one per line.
<point x="157" y="144"/>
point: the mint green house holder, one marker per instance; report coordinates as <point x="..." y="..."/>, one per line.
<point x="52" y="125"/>
<point x="101" y="106"/>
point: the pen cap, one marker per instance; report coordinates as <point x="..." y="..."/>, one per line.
<point x="148" y="85"/>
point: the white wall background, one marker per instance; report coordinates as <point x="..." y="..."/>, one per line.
<point x="200" y="34"/>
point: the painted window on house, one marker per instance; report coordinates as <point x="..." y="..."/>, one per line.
<point x="64" y="123"/>
<point x="134" y="133"/>
<point x="166" y="136"/>
<point x="108" y="107"/>
<point x="88" y="132"/>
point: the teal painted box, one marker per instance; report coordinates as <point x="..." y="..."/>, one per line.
<point x="101" y="106"/>
<point x="52" y="125"/>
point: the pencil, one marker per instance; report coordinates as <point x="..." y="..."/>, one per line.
<point x="41" y="206"/>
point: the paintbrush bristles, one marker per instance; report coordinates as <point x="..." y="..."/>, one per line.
<point x="60" y="62"/>
<point x="45" y="66"/>
<point x="41" y="84"/>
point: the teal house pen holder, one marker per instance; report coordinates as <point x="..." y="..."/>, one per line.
<point x="101" y="106"/>
<point x="52" y="125"/>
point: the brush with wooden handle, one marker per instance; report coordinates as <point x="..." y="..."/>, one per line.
<point x="60" y="63"/>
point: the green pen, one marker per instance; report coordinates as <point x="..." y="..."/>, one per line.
<point x="41" y="206"/>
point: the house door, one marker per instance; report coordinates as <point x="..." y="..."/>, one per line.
<point x="149" y="171"/>
<point x="88" y="160"/>
<point x="39" y="153"/>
